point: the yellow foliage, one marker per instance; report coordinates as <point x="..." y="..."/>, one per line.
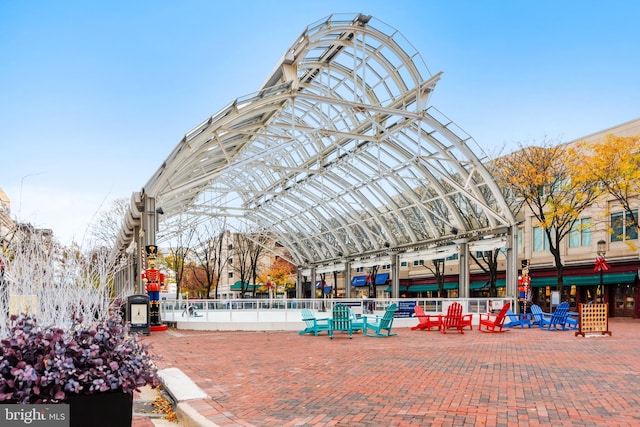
<point x="615" y="162"/>
<point x="164" y="406"/>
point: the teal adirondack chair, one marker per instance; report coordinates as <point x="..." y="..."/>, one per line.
<point x="314" y="326"/>
<point x="357" y="323"/>
<point x="380" y="324"/>
<point x="342" y="320"/>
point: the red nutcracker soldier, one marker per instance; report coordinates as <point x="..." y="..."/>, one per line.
<point x="153" y="280"/>
<point x="524" y="286"/>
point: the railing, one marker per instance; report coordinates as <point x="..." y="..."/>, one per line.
<point x="286" y="310"/>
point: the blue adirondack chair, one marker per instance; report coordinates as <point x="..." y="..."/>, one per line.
<point x="555" y="320"/>
<point x="379" y="324"/>
<point x="314" y="326"/>
<point x="521" y="320"/>
<point x="342" y="321"/>
<point x="514" y="320"/>
<point x="539" y="317"/>
<point x="572" y="322"/>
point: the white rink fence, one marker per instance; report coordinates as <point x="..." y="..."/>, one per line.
<point x="285" y="314"/>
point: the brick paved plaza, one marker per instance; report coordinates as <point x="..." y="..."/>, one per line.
<point x="526" y="377"/>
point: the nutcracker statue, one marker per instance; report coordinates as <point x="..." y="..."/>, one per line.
<point x="153" y="279"/>
<point x="524" y="286"/>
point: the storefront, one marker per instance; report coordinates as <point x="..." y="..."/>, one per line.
<point x="361" y="285"/>
<point x="481" y="288"/>
<point x="619" y="289"/>
<point x="427" y="288"/>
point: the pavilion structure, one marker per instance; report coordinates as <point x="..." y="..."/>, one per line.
<point x="339" y="157"/>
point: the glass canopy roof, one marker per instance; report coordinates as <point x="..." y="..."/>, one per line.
<point x="337" y="155"/>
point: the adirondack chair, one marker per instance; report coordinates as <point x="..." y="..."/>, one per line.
<point x="558" y="319"/>
<point x="521" y="320"/>
<point x="572" y="322"/>
<point x="341" y="321"/>
<point x="514" y="319"/>
<point x="492" y="323"/>
<point x="357" y="323"/>
<point x="426" y="321"/>
<point x="379" y="324"/>
<point x="314" y="326"/>
<point x="455" y="319"/>
<point x="539" y="317"/>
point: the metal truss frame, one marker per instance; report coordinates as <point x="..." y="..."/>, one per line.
<point x="338" y="155"/>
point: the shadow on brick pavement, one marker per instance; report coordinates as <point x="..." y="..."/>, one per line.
<point x="522" y="377"/>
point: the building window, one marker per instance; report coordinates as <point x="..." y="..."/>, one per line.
<point x="418" y="262"/>
<point x="482" y="254"/>
<point x="580" y="234"/>
<point x="623" y="227"/>
<point x="359" y="269"/>
<point x="540" y="240"/>
<point x="403" y="263"/>
<point x="231" y="275"/>
<point x="520" y="241"/>
<point x="386" y="267"/>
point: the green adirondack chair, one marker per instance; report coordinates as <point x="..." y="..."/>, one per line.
<point x="314" y="326"/>
<point x="380" y="324"/>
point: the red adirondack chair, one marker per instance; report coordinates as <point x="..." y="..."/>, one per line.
<point x="490" y="322"/>
<point x="426" y="321"/>
<point x="455" y="319"/>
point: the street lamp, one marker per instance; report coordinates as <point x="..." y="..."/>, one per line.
<point x="270" y="286"/>
<point x="21" y="185"/>
<point x="601" y="264"/>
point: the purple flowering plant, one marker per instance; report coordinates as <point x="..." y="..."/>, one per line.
<point x="46" y="365"/>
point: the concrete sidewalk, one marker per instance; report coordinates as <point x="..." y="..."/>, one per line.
<point x="522" y="377"/>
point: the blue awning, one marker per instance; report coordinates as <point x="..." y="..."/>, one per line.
<point x="326" y="289"/>
<point x="359" y="281"/>
<point x="381" y="279"/>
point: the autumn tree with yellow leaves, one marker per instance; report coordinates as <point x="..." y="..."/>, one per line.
<point x="280" y="276"/>
<point x="548" y="180"/>
<point x="615" y="164"/>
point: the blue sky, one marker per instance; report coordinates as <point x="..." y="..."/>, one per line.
<point x="95" y="95"/>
